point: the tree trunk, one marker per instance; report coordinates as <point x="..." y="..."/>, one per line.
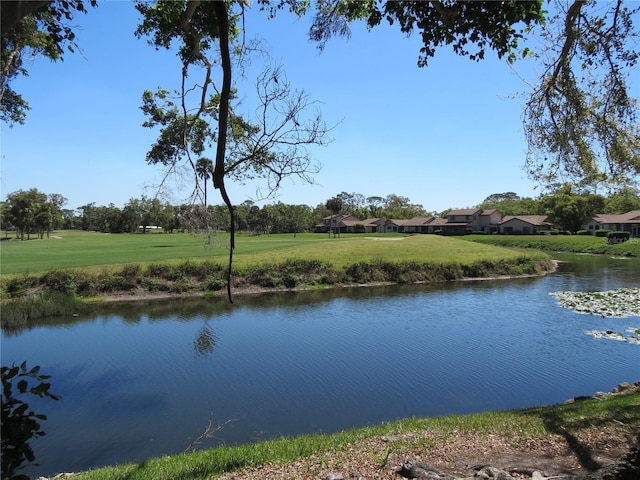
<point x="11" y="12"/>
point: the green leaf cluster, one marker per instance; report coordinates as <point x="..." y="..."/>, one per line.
<point x="484" y="26"/>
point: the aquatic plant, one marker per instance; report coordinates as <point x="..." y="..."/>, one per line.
<point x="621" y="303"/>
<point x="624" y="302"/>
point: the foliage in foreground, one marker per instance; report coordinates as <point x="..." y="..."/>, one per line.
<point x="518" y="425"/>
<point x="19" y="424"/>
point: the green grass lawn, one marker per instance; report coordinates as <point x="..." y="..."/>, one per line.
<point x="78" y="249"/>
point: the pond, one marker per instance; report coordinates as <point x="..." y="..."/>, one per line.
<point x="143" y="380"/>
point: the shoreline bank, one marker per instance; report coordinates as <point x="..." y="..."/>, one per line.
<point x="61" y="292"/>
<point x="124" y="297"/>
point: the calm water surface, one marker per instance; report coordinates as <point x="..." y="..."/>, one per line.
<point x="145" y="380"/>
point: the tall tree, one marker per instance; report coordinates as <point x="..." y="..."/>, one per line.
<point x="354" y="203"/>
<point x="271" y="148"/>
<point x="570" y="208"/>
<point x="297" y="218"/>
<point x="510" y="203"/>
<point x="26" y="209"/>
<point x="375" y="206"/>
<point x="397" y="206"/>
<point x="624" y="200"/>
<point x="5" y="218"/>
<point x="88" y="216"/>
<point x="44" y="218"/>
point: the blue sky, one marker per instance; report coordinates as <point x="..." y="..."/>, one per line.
<point x="446" y="136"/>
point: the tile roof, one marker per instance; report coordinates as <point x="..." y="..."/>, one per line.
<point x="464" y="211"/>
<point x="531" y="219"/>
<point x="630" y="217"/>
<point x="353" y="222"/>
<point x="396" y="221"/>
<point x="418" y="221"/>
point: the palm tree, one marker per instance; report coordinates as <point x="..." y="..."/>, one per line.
<point x="204" y="171"/>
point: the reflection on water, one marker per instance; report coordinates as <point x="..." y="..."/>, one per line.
<point x="205" y="342"/>
<point x="144" y="379"/>
<point x="186" y="309"/>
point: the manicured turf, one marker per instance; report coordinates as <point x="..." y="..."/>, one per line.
<point x="77" y="249"/>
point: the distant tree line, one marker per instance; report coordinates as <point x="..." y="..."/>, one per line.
<point x="32" y="212"/>
<point x="36" y="213"/>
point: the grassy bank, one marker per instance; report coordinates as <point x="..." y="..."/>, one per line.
<point x="561" y="243"/>
<point x="518" y="428"/>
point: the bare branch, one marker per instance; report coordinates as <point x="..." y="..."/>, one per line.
<point x="209" y="432"/>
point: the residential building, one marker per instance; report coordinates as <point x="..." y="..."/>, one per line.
<point x="626" y="222"/>
<point x="374" y="225"/>
<point x="527" y="224"/>
<point x="349" y="224"/>
<point x="462" y="221"/>
<point x="418" y="225"/>
<point x="490" y="221"/>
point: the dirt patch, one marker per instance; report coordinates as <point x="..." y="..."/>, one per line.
<point x="457" y="455"/>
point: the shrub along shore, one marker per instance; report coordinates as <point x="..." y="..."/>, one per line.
<point x="61" y="292"/>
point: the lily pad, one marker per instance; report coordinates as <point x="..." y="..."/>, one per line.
<point x="624" y="302"/>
